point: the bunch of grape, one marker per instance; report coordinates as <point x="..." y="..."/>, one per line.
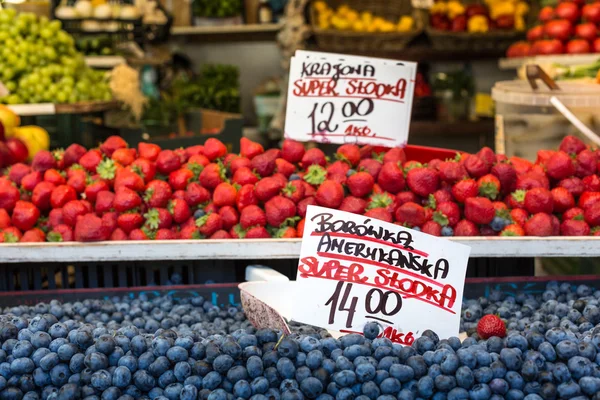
<point x="39" y="63"/>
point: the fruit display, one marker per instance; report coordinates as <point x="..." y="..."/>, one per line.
<point x="217" y="8"/>
<point x="455" y="16"/>
<point x="345" y="18"/>
<point x="39" y="63"/>
<point x="542" y="346"/>
<point x="571" y="27"/>
<point x="19" y="143"/>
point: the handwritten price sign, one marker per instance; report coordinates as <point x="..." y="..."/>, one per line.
<point x="345" y="99"/>
<point x="354" y="269"/>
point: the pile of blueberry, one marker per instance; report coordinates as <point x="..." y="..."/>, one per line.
<point x="187" y="348"/>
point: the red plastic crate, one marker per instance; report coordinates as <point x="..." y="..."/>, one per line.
<point x="424" y="154"/>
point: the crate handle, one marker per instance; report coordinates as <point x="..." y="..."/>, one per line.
<point x="534" y="72"/>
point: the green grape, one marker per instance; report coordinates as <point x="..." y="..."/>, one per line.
<point x="13" y="99"/>
<point x="11" y="86"/>
<point x="8" y="73"/>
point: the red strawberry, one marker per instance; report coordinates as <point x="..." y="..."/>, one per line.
<point x="78" y="180"/>
<point x="252" y="215"/>
<point x="166" y="234"/>
<point x="573" y="227"/>
<point x="591" y="183"/>
<point x="539" y="224"/>
<point x="220" y="235"/>
<point x="573" y="213"/>
<point x="149" y="151"/>
<point x="405" y="197"/>
<point x="189" y="233"/>
<point x="330" y="194"/>
<point x="543" y="156"/>
<point x="539" y="200"/>
<point x="91" y="160"/>
<point x="475" y="166"/>
<point x="109" y="221"/>
<point x="349" y="153"/>
<point x="112" y="144"/>
<point x="450" y="211"/>
<point x="338" y="168"/>
<point x="61" y="195"/>
<point x="279" y="210"/>
<point x="512" y="230"/>
<point x="180" y="178"/>
<point x="10" y="235"/>
<point x="435" y="163"/>
<point x="8" y="196"/>
<point x="294" y="191"/>
<point x="237" y="232"/>
<point x="287" y="232"/>
<point x="591" y="214"/>
<point x="17" y="171"/>
<point x="42" y="161"/>
<point x="138" y="234"/>
<point x="395" y="155"/>
<point x="195" y="194"/>
<point x="411" y="214"/>
<point x="29" y="181"/>
<point x="54" y="177"/>
<point x="432" y="228"/>
<point x="212" y="175"/>
<point x="491" y="325"/>
<point x="562" y="199"/>
<point x="89" y="228"/>
<point x="383" y="200"/>
<point x="229" y="216"/>
<point x="209" y="224"/>
<point x="380" y="214"/>
<point x="229" y="158"/>
<point x="180" y="210"/>
<point x="532" y="180"/>
<point x="104" y="202"/>
<point x="125" y="200"/>
<point x="182" y="154"/>
<point x="350" y="204"/>
<point x="32" y="236"/>
<point x="292" y="151"/>
<point x="284" y="167"/>
<point x="224" y="195"/>
<point x="309" y="190"/>
<point x="391" y="179"/>
<point x="157" y="194"/>
<point x="72" y="154"/>
<point x="264" y="164"/>
<point x="507" y="175"/>
<point x="519" y="216"/>
<point x="245" y="197"/>
<point x="144" y="168"/>
<point x="560" y="166"/>
<point x="244" y="176"/>
<point x="466" y="228"/>
<point x="282" y="179"/>
<point x="588" y="199"/>
<point x="258" y="232"/>
<point x="451" y="171"/>
<point x="572" y="145"/>
<point x="73" y="209"/>
<point x="489" y="186"/>
<point x="462" y="190"/>
<point x="60" y="233"/>
<point x="422" y="181"/>
<point x="124" y="156"/>
<point x="167" y="162"/>
<point x="585" y="163"/>
<point x="479" y="210"/>
<point x="361" y="184"/>
<point x="521" y="165"/>
<point x="25" y="215"/>
<point x="487" y="155"/>
<point x="266" y="188"/>
<point x="300" y="228"/>
<point x="250" y="149"/>
<point x="574" y="185"/>
<point x="371" y="166"/>
<point x="126" y="178"/>
<point x="311" y="201"/>
<point x="130" y="221"/>
<point x="200" y="160"/>
<point x="314" y="156"/>
<point x="214" y="148"/>
<point x="4" y="219"/>
<point x="443" y="195"/>
<point x="92" y="190"/>
<point x="236" y="164"/>
<point x="158" y="218"/>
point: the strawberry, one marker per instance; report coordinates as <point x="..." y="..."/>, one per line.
<point x="330" y="194"/>
<point x="112" y="144"/>
<point x="166" y="234"/>
<point x="25" y="215"/>
<point x="110" y="221"/>
<point x="250" y="149"/>
<point x="405" y="197"/>
<point x="300" y="228"/>
<point x="309" y="190"/>
<point x="78" y="180"/>
<point x="491" y="325"/>
<point x="284" y="167"/>
<point x="125" y="200"/>
<point x="8" y="197"/>
<point x="73" y="209"/>
<point x="258" y="232"/>
<point x="539" y="224"/>
<point x="574" y="185"/>
<point x="4" y="219"/>
<point x="286" y="232"/>
<point x="435" y="164"/>
<point x="543" y="156"/>
<point x="411" y="214"/>
<point x="237" y="232"/>
<point x="224" y="195"/>
<point x="489" y="186"/>
<point x="573" y="213"/>
<point x="220" y="235"/>
<point x="149" y="151"/>
<point x="572" y="145"/>
<point x="144" y="168"/>
<point x="195" y="194"/>
<point x="591" y="183"/>
<point x="89" y="228"/>
<point x="60" y="233"/>
<point x="126" y="178"/>
<point x="512" y="230"/>
<point x="591" y="215"/>
<point x="194" y="150"/>
<point x="244" y="176"/>
<point x="282" y="179"/>
<point x="487" y="155"/>
<point x="462" y="190"/>
<point x="350" y="204"/>
<point x="280" y="210"/>
<point x="214" y="148"/>
<point x="189" y="233"/>
<point x="182" y="154"/>
<point x="519" y="216"/>
<point x="475" y="166"/>
<point x="451" y="171"/>
<point x="229" y="158"/>
<point x="200" y="160"/>
<point x="167" y="162"/>
<point x="422" y="181"/>
<point x="340" y="168"/>
<point x="532" y="180"/>
<point x="251" y="216"/>
<point x="521" y="165"/>
<point x="61" y="195"/>
<point x="292" y="151"/>
<point x="450" y="211"/>
<point x="92" y="190"/>
<point x="585" y="163"/>
<point x="395" y="155"/>
<point x="212" y="175"/>
<point x="539" y="200"/>
<point x="91" y="160"/>
<point x="237" y="163"/>
<point x="573" y="227"/>
<point x="479" y="210"/>
<point x="180" y="210"/>
<point x="315" y="175"/>
<point x="29" y="181"/>
<point x="10" y="235"/>
<point x="130" y="221"/>
<point x="562" y="199"/>
<point x="266" y="188"/>
<point x="380" y="213"/>
<point x="104" y="201"/>
<point x="443" y="195"/>
<point x="229" y="216"/>
<point x="17" y="171"/>
<point x="209" y="224"/>
<point x="361" y="184"/>
<point x="33" y="236"/>
<point x="349" y="153"/>
<point x="507" y="175"/>
<point x="588" y="199"/>
<point x="42" y="161"/>
<point x="314" y="156"/>
<point x="138" y="234"/>
<point x="180" y="178"/>
<point x="432" y="228"/>
<point x="391" y="178"/>
<point x="54" y="177"/>
<point x="245" y="197"/>
<point x="264" y="164"/>
<point x="157" y="194"/>
<point x="383" y="200"/>
<point x="124" y="156"/>
<point x="371" y="166"/>
<point x="158" y="218"/>
<point x="560" y="166"/>
<point x="311" y="201"/>
<point x="501" y="158"/>
<point x="294" y="191"/>
<point x="72" y="154"/>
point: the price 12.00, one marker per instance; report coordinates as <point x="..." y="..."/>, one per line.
<point x="323" y="116"/>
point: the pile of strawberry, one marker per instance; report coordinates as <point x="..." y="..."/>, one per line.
<point x="119" y="193"/>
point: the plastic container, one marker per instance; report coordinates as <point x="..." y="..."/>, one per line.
<point x="527" y="122"/>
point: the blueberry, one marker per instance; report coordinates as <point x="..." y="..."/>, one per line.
<point x="371" y="330"/>
<point x="311" y="387"/>
<point x="425" y="387"/>
<point x="22" y="366"/>
<point x="288" y="348"/>
<point x="447" y="231"/>
<point x="143" y="380"/>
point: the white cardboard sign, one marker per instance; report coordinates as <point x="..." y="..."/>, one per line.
<point x="354" y="270"/>
<point x="335" y="98"/>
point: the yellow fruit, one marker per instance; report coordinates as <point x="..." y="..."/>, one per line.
<point x="320" y="6"/>
<point x="352" y="16"/>
<point x="9" y="119"/>
<point x="343" y="10"/>
<point x="34" y="137"/>
<point x="405" y="24"/>
<point x="359" y="26"/>
<point x="378" y="22"/>
<point x="366" y="16"/>
<point x="522" y="8"/>
<point x="388" y="27"/>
